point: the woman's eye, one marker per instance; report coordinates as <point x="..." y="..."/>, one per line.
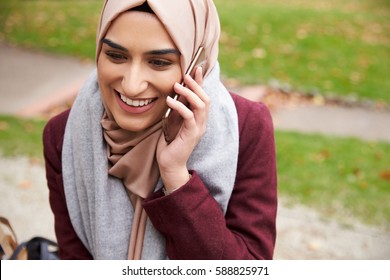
<point x="160" y="63"/>
<point x="116" y="56"/>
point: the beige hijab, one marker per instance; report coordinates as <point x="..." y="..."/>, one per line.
<point x="191" y="24"/>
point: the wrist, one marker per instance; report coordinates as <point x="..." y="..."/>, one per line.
<point x="174" y="180"/>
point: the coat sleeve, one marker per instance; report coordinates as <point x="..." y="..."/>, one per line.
<point x="70" y="246"/>
<point x="192" y="221"/>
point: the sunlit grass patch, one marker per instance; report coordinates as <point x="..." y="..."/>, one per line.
<point x="343" y="177"/>
<point x="21" y="137"/>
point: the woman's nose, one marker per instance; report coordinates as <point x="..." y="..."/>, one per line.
<point x="134" y="81"/>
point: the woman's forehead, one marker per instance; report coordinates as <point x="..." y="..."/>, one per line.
<point x="139" y="27"/>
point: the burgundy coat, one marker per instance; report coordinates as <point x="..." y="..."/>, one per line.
<point x="190" y="218"/>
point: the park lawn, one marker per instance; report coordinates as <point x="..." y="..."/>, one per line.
<point x="21" y="137"/>
<point x="337" y="48"/>
<point x="343" y="178"/>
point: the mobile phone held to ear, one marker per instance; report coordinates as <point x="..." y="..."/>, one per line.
<point x="172" y="120"/>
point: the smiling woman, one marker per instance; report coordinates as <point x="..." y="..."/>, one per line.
<point x="118" y="189"/>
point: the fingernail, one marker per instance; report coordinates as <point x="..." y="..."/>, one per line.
<point x="178" y="85"/>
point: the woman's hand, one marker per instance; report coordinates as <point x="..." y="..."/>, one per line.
<point x="172" y="159"/>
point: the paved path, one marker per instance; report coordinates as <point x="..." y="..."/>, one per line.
<point x="344" y="121"/>
<point x="31" y="82"/>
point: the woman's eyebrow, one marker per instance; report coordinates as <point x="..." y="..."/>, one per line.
<point x="113" y="45"/>
<point x="163" y="51"/>
<point x="153" y="52"/>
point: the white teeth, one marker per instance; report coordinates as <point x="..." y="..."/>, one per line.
<point x="136" y="103"/>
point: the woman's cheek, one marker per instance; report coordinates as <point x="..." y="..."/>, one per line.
<point x="169" y="81"/>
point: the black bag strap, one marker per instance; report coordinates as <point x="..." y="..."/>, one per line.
<point x="37" y="249"/>
<point x="45" y="244"/>
<point x="21" y="248"/>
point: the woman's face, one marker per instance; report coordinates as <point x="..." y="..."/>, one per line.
<point x="137" y="67"/>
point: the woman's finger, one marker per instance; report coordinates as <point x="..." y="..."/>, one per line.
<point x="182" y="109"/>
<point x="196" y="103"/>
<point x="199" y="76"/>
<point x="195" y="84"/>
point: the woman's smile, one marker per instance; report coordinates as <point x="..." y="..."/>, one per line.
<point x="135" y="106"/>
<point x="136" y="103"/>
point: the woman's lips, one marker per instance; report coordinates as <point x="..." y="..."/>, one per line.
<point x="134" y="106"/>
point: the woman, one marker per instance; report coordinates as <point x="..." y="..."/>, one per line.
<point x="118" y="190"/>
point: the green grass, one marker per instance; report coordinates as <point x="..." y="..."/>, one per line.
<point x="335" y="48"/>
<point x="65" y="27"/>
<point x="21" y="137"/>
<point x="337" y="51"/>
<point x="342" y="177"/>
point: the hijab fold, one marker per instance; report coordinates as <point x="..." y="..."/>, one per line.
<point x="108" y="171"/>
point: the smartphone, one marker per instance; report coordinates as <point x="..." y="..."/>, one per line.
<point x="172" y="120"/>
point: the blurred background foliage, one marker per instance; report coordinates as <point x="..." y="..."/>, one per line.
<point x="330" y="48"/>
<point x="333" y="48"/>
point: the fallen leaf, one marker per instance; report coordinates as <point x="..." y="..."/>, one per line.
<point x="363" y="185"/>
<point x="319" y="100"/>
<point x="259" y="53"/>
<point x="321" y="156"/>
<point x="385" y="175"/>
<point x="25" y="184"/>
<point x="4" y="125"/>
<point x="28" y="127"/>
<point x="314" y="245"/>
<point x="357" y="172"/>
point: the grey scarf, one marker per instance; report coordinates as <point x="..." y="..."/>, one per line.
<point x="99" y="207"/>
